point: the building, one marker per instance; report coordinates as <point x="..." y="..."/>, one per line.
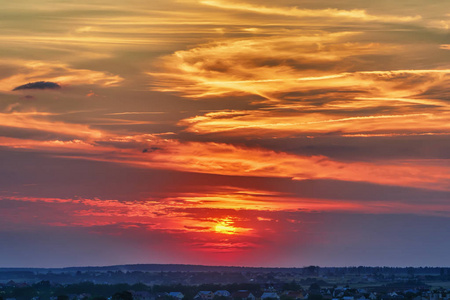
<point x="270" y="295"/>
<point x="176" y="295"/>
<point x="222" y="293"/>
<point x="204" y="295"/>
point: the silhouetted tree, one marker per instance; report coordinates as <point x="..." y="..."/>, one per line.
<point x="315" y="297"/>
<point x="125" y="295"/>
<point x="62" y="297"/>
<point x="292" y="286"/>
<point x="315" y="287"/>
<point x="312" y="270"/>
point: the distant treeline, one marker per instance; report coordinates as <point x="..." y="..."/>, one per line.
<point x="199" y="268"/>
<point x="148" y="274"/>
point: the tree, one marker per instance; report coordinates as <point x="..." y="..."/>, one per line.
<point x="62" y="297"/>
<point x="315" y="297"/>
<point x="315" y="287"/>
<point x="292" y="286"/>
<point x="312" y="270"/>
<point x="125" y="295"/>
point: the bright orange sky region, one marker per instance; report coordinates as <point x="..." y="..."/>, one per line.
<point x="223" y="132"/>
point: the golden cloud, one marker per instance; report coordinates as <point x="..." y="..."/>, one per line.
<point x="224" y="159"/>
<point x="339" y="14"/>
<point x="32" y="71"/>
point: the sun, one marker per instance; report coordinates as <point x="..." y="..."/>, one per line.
<point x="225" y="226"/>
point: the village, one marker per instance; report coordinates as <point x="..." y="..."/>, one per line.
<point x="215" y="283"/>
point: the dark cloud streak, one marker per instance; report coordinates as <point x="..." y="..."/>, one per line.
<point x="38" y="85"/>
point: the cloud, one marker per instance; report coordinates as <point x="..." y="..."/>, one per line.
<point x="330" y="13"/>
<point x="40" y="122"/>
<point x="309" y="120"/>
<point x="151" y="149"/>
<point x="260" y="65"/>
<point x="303" y="61"/>
<point x="278" y="123"/>
<point x="308" y="83"/>
<point x="222" y="211"/>
<point x="46" y="74"/>
<point x="38" y="85"/>
<point x="84" y="142"/>
<point x="239" y="231"/>
<point x="224" y="159"/>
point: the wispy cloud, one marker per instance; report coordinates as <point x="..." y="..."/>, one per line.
<point x="37" y="121"/>
<point x="281" y="124"/>
<point x="219" y="219"/>
<point x="354" y="14"/>
<point x="309" y="87"/>
<point x="224" y="159"/>
<point x="59" y="73"/>
<point x="238" y="130"/>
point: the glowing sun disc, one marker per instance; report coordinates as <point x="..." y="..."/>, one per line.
<point x="225" y="228"/>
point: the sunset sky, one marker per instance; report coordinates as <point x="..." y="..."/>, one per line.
<point x="225" y="132"/>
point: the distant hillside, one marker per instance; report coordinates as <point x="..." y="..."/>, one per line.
<point x="307" y="270"/>
<point x="153" y="268"/>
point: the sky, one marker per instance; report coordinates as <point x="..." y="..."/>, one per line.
<point x="225" y="132"/>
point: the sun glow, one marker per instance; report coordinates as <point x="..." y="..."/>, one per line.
<point x="225" y="226"/>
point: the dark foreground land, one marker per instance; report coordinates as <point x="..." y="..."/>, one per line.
<point x="187" y="282"/>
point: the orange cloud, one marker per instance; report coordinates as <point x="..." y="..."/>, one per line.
<point x="280" y="124"/>
<point x="38" y="121"/>
<point x="303" y="88"/>
<point x="244" y="214"/>
<point x="261" y="65"/>
<point x="224" y="159"/>
<point x="314" y="64"/>
<point x="215" y="158"/>
<point x="31" y="71"/>
<point x="354" y="14"/>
